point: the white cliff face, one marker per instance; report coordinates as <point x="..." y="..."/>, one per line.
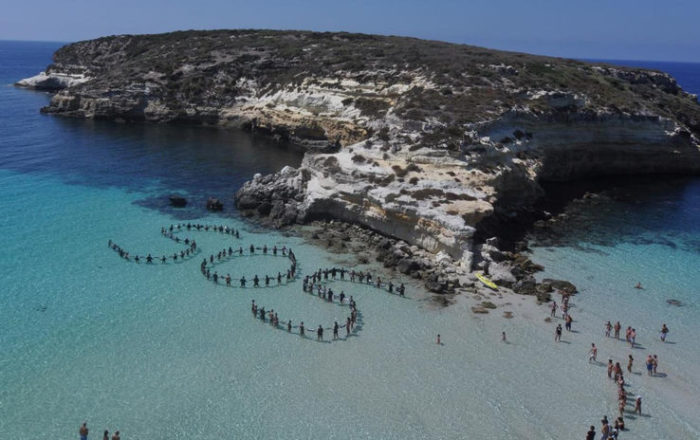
<point x="52" y="81"/>
<point x="423" y="141"/>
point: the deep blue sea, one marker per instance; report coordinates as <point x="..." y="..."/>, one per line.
<point x="159" y="352"/>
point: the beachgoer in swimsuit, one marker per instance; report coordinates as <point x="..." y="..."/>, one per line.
<point x="83" y="431"/>
<point x="629" y="363"/>
<point x="557" y="333"/>
<point x="590" y="435"/>
<point x="592" y="353"/>
<point x="664" y="332"/>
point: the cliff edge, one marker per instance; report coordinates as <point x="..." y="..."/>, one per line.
<point x="424" y="141"/>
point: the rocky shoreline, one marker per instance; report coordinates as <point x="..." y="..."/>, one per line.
<point x="437" y="147"/>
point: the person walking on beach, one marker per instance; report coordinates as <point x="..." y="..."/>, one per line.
<point x="569" y="320"/>
<point x="592" y="354"/>
<point x="438" y="339"/>
<point x="629" y="363"/>
<point x="617" y="329"/>
<point x="654" y="363"/>
<point x="554" y="309"/>
<point x="503" y="337"/>
<point x="83" y="431"/>
<point x="638" y="405"/>
<point x="664" y="332"/>
<point x="610" y="368"/>
<point x="608" y="328"/>
<point x="557" y="333"/>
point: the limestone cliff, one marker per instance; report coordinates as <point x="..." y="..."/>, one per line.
<point x="421" y="140"/>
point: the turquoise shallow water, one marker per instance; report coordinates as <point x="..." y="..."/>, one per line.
<point x="160" y="352"/>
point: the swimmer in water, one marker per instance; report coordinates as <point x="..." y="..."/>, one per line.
<point x="639" y="286"/>
<point x="243" y="281"/>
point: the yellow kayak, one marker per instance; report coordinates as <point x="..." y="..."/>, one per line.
<point x="487" y="282"/>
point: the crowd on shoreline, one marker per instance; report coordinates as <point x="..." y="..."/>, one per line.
<point x="614" y="369"/>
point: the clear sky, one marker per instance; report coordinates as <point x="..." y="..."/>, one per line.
<point x="610" y="29"/>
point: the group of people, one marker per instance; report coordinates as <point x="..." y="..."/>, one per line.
<point x="170" y="232"/>
<point x="616" y="374"/>
<point x="272" y="317"/>
<point x="83" y="432"/>
<point x="199" y="227"/>
<point x="190" y="250"/>
<point x="359" y="276"/>
<point x="205" y="269"/>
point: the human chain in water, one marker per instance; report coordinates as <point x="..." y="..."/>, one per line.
<point x="170" y="233"/>
<point x="316" y="284"/>
<point x="269" y="280"/>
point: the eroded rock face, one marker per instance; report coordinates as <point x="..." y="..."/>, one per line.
<point x="422" y="141"/>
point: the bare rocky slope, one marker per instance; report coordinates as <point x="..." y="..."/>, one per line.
<point x="423" y="141"/>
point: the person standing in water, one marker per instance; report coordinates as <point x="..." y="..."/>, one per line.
<point x="617" y="328"/>
<point x="503" y="337"/>
<point x="592" y="354"/>
<point x="105" y="435"/>
<point x="116" y="436"/>
<point x="590" y="435"/>
<point x="83" y="431"/>
<point x="664" y="332"/>
<point x="650" y="365"/>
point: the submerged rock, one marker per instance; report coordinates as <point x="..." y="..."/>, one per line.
<point x="177" y="200"/>
<point x="560" y="285"/>
<point x="214" y="204"/>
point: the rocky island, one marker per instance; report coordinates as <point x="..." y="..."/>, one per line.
<point x="436" y="147"/>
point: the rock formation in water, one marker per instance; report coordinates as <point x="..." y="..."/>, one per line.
<point x="432" y="143"/>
